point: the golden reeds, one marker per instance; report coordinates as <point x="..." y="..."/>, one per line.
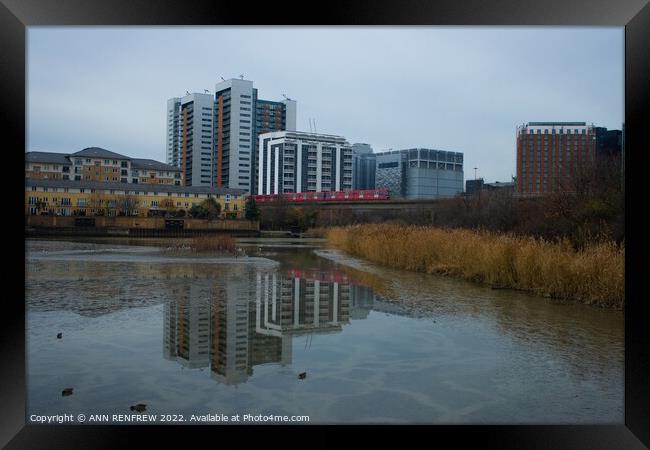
<point x="595" y="274"/>
<point x="214" y="243"/>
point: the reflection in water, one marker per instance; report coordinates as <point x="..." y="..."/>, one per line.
<point x="378" y="345"/>
<point x="243" y="321"/>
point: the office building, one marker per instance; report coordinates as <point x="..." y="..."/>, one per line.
<point x="550" y="154"/>
<point x="473" y="186"/>
<point x="291" y="161"/>
<point x="101" y="165"/>
<point x="420" y="173"/>
<point x="364" y="164"/>
<point x="609" y="143"/>
<point x="500" y="186"/>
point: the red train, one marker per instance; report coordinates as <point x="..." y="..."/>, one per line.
<point x="327" y="196"/>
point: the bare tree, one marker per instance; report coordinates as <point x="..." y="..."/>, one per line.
<point x="127" y="205"/>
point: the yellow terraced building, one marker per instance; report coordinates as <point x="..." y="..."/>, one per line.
<point x="91" y="198"/>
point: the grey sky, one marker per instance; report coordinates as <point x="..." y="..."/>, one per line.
<point x="452" y="88"/>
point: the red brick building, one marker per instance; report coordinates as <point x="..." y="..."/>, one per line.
<point x="550" y="153"/>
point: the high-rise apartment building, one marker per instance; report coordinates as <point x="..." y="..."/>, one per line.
<point x="240" y="117"/>
<point x="291" y="161"/>
<point x="190" y="137"/>
<point x="550" y="154"/>
<point x="212" y="138"/>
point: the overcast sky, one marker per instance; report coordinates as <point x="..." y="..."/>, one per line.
<point x="451" y="88"/>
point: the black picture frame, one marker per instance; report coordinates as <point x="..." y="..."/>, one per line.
<point x="16" y="15"/>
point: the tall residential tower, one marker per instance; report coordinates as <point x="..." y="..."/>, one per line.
<point x="212" y="138"/>
<point x="240" y="117"/>
<point x="190" y="137"/>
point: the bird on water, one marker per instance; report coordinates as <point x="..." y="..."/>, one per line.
<point x="302" y="376"/>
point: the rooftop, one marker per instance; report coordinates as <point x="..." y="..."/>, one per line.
<point x="557" y="124"/>
<point x="407" y="150"/>
<point x="97" y="152"/>
<point x="150" y="164"/>
<point x="48" y="158"/>
<point x="303" y="135"/>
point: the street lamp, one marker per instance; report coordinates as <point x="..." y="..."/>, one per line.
<point x="475" y="168"/>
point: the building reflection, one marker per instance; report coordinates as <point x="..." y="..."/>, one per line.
<point x="248" y="319"/>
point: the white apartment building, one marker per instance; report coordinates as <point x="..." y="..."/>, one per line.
<point x="292" y="161"/>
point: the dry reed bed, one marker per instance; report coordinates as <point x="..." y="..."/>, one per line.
<point x="214" y="243"/>
<point x="594" y="275"/>
<point x="207" y="243"/>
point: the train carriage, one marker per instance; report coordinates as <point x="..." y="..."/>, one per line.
<point x="326" y="196"/>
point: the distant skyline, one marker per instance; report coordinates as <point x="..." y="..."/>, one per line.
<point x="452" y="88"/>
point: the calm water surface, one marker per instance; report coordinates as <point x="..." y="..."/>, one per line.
<point x="189" y="334"/>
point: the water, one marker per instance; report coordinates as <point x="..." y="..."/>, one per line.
<point x="187" y="334"/>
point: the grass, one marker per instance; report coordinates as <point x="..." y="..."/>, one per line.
<point x="593" y="275"/>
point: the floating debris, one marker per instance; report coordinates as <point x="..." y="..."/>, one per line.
<point x="59" y="336"/>
<point x="140" y="407"/>
<point x="302" y="376"/>
<point x="66" y="392"/>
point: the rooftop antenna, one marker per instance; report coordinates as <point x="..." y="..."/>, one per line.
<point x="187" y="92"/>
<point x="315" y="131"/>
<point x="285" y="96"/>
<point x="206" y="91"/>
<point x="241" y="75"/>
<point x="222" y="79"/>
<point x="310" y="124"/>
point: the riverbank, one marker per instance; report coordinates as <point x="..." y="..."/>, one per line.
<point x="593" y="275"/>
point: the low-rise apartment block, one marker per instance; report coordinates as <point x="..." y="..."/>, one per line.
<point x="92" y="198"/>
<point x="98" y="164"/>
